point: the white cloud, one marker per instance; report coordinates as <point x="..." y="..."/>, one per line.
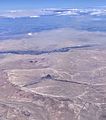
<point x="53" y="11"/>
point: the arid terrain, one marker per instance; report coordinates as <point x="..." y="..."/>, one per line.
<point x="53" y="75"/>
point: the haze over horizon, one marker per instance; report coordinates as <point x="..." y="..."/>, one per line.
<point x="35" y="4"/>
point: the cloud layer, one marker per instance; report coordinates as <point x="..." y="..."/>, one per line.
<point x="53" y="11"/>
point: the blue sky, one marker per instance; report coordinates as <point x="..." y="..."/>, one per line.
<point x="33" y="4"/>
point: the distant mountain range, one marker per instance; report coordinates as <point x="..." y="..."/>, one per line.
<point x="54" y="11"/>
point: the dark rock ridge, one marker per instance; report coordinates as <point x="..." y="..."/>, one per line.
<point x="35" y="52"/>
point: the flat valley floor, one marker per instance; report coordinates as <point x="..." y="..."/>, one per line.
<point x="53" y="75"/>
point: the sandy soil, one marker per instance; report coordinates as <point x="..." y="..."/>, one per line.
<point x="67" y="82"/>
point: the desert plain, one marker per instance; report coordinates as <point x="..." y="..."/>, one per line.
<point x="53" y="75"/>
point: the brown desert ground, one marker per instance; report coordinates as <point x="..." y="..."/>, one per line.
<point x="53" y="75"/>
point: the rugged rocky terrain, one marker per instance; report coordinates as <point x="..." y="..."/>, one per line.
<point x="57" y="85"/>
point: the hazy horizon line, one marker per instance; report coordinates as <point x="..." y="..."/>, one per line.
<point x="22" y="9"/>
